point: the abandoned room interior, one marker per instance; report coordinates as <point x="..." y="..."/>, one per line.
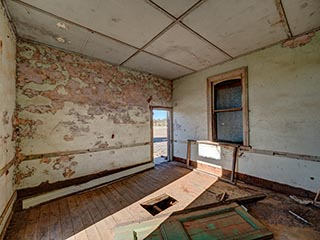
<point x="159" y="119"/>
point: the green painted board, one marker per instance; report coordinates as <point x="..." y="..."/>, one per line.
<point x="222" y="223"/>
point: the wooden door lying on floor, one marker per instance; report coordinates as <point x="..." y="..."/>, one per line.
<point x="224" y="222"/>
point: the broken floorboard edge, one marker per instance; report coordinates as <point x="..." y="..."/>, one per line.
<point x="36" y="200"/>
<point x="75" y="152"/>
<point x="246" y="149"/>
<point x="6" y="215"/>
<point x="255" y="181"/>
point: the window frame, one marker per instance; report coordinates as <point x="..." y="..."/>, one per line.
<point x="242" y="74"/>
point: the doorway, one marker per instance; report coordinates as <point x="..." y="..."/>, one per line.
<point x="161" y="135"/>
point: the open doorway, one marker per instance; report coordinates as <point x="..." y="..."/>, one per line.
<point x="161" y="126"/>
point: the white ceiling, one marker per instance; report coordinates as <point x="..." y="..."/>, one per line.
<point x="169" y="38"/>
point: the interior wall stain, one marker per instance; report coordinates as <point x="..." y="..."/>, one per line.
<point x="68" y="102"/>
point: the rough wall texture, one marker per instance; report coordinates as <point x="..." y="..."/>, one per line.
<point x="7" y="105"/>
<point x="78" y="116"/>
<point x="284" y="112"/>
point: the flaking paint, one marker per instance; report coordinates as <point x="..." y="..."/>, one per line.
<point x="284" y="103"/>
<point x="67" y="102"/>
<point x="7" y="105"/>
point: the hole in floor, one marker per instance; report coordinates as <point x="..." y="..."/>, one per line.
<point x="158" y="204"/>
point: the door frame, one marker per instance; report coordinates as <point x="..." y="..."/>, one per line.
<point x="169" y="131"/>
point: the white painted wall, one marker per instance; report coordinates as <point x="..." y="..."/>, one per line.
<point x="78" y="116"/>
<point x="7" y="105"/>
<point x="284" y="112"/>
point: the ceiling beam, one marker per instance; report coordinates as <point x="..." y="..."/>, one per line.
<point x="283" y="18"/>
<point x="6" y="12"/>
<point x="177" y="20"/>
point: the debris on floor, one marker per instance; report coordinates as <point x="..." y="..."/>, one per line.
<point x="222" y="197"/>
<point x="217" y="220"/>
<point x="301" y="201"/>
<point x="300" y="218"/>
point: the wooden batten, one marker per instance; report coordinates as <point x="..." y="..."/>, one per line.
<point x="6" y="215"/>
<point x="45" y="197"/>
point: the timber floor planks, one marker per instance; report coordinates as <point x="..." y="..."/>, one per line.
<point x="95" y="214"/>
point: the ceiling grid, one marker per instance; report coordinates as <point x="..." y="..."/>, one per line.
<point x="166" y="38"/>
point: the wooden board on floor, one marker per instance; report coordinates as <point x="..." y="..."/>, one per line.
<point x="224" y="222"/>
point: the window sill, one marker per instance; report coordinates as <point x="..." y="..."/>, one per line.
<point x="225" y="144"/>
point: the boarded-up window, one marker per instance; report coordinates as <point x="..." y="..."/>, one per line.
<point x="228" y="107"/>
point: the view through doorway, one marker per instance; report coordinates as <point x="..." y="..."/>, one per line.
<point x="160" y="135"/>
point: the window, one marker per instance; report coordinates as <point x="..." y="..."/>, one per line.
<point x="228" y="107"/>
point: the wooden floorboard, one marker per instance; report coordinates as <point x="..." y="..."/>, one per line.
<point x="95" y="213"/>
<point x="66" y="220"/>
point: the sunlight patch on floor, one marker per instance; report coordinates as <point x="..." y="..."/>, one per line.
<point x="185" y="190"/>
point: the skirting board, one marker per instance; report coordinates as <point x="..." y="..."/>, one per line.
<point x="36" y="200"/>
<point x="260" y="182"/>
<point x="5" y="217"/>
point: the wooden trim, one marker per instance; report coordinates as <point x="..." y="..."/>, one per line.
<point x="189" y="153"/>
<point x="234" y="147"/>
<point x="6" y="225"/>
<point x="169" y="128"/>
<point x="9" y="203"/>
<point x="6" y="167"/>
<point x="245" y="106"/>
<point x="282" y="154"/>
<point x="209" y="113"/>
<point x="170" y="134"/>
<point x="240" y="73"/>
<point x="161" y="108"/>
<point x="283" y="18"/>
<point x="74" y="152"/>
<point x="227" y="110"/>
<point x="258" y="151"/>
<point x="45" y="187"/>
<point x="260" y="182"/>
<point x="3" y="215"/>
<point x="151" y="134"/>
<point x="49" y="196"/>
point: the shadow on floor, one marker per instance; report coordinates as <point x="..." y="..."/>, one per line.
<point x="67" y="216"/>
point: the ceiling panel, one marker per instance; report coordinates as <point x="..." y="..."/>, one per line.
<point x="37" y="26"/>
<point x="107" y="49"/>
<point x="176" y="7"/>
<point x="149" y="63"/>
<point x="237" y="26"/>
<point x="132" y="21"/>
<point x="302" y="15"/>
<point x="79" y="11"/>
<point x="182" y="46"/>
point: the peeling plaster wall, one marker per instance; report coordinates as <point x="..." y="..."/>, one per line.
<point x="7" y="105"/>
<point x="78" y="116"/>
<point x="284" y="112"/>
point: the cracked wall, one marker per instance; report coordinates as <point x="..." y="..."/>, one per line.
<point x="284" y="112"/>
<point x="78" y="116"/>
<point x="7" y="105"/>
